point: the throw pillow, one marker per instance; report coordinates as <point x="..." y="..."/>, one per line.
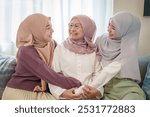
<point x="7" y="68"/>
<point x="146" y="82"/>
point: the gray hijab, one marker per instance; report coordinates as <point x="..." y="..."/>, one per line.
<point x="124" y="47"/>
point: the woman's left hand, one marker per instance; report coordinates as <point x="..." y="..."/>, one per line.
<point x="90" y="92"/>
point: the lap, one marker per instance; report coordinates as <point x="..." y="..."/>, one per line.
<point x="123" y="89"/>
<point x="17" y="94"/>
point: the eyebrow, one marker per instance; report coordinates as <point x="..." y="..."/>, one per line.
<point x="113" y="26"/>
<point x="110" y="24"/>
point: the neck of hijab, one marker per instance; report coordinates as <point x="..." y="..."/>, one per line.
<point x="84" y="45"/>
<point x="31" y="32"/>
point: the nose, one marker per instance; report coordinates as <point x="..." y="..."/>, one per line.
<point x="72" y="28"/>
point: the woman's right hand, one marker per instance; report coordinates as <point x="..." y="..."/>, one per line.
<point x="70" y="95"/>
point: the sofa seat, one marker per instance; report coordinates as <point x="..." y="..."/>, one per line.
<point x="8" y="63"/>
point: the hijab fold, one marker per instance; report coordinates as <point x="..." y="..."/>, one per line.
<point x="85" y="45"/>
<point x="125" y="47"/>
<point x="32" y="32"/>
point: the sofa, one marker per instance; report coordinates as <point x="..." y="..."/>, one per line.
<point x="7" y="68"/>
<point x="8" y="63"/>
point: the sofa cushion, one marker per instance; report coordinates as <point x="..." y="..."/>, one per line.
<point x="146" y="82"/>
<point x="7" y="68"/>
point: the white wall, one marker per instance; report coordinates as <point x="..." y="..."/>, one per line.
<point x="136" y="7"/>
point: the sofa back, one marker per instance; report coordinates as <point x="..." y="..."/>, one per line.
<point x="7" y="68"/>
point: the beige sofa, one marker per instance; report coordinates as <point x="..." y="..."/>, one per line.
<point x="7" y="67"/>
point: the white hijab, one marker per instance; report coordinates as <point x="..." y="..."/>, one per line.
<point x="124" y="47"/>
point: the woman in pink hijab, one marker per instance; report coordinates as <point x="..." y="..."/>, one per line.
<point x="78" y="57"/>
<point x="34" y="57"/>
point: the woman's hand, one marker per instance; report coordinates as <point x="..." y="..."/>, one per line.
<point x="70" y="94"/>
<point x="90" y="92"/>
<point x="37" y="89"/>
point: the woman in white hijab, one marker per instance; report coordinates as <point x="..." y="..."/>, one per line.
<point x="121" y="44"/>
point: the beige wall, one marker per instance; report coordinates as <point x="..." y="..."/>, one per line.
<point x="136" y="7"/>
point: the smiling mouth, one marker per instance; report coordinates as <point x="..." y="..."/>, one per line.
<point x="110" y="35"/>
<point x="74" y="34"/>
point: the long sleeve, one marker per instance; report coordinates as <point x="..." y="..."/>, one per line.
<point x="106" y="74"/>
<point x="97" y="70"/>
<point x="94" y="79"/>
<point x="28" y="55"/>
<point x="56" y="91"/>
<point x="101" y="76"/>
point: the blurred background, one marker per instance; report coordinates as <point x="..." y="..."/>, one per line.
<point x="12" y="12"/>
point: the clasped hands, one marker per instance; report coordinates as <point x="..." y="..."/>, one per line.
<point x="87" y="93"/>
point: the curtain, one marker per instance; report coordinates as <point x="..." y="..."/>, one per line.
<point x="14" y="11"/>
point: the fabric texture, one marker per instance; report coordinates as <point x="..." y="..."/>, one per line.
<point x="18" y="94"/>
<point x="123" y="89"/>
<point x="146" y="82"/>
<point x="7" y="68"/>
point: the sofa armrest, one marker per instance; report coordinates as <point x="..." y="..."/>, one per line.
<point x="143" y="62"/>
<point x="7" y="68"/>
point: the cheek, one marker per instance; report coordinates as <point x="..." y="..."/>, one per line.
<point x="115" y="33"/>
<point x="69" y="31"/>
<point x="47" y="35"/>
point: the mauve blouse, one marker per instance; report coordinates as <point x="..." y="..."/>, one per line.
<point x="31" y="69"/>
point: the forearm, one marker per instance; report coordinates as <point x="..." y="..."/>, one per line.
<point x="55" y="90"/>
<point x="32" y="62"/>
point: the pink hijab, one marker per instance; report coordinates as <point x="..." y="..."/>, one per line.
<point x="86" y="46"/>
<point x="31" y="32"/>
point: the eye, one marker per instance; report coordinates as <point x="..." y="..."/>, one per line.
<point x="113" y="27"/>
<point x="77" y="26"/>
<point x="70" y="25"/>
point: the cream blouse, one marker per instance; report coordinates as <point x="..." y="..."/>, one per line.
<point x="85" y="67"/>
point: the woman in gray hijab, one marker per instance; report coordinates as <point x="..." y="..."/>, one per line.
<point x="121" y="44"/>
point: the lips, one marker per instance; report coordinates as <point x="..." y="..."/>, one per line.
<point x="73" y="34"/>
<point x="110" y="35"/>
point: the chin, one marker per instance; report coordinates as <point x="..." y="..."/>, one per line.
<point x="111" y="37"/>
<point x="75" y="39"/>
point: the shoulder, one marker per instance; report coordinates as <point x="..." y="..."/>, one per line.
<point x="27" y="51"/>
<point x="26" y="48"/>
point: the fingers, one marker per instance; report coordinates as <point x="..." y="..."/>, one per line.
<point x="69" y="94"/>
<point x="72" y="90"/>
<point x="89" y="92"/>
<point x="37" y="89"/>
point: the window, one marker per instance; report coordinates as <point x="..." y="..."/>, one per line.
<point x="14" y="11"/>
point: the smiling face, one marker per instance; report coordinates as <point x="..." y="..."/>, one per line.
<point x="48" y="32"/>
<point x="75" y="29"/>
<point x="112" y="30"/>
